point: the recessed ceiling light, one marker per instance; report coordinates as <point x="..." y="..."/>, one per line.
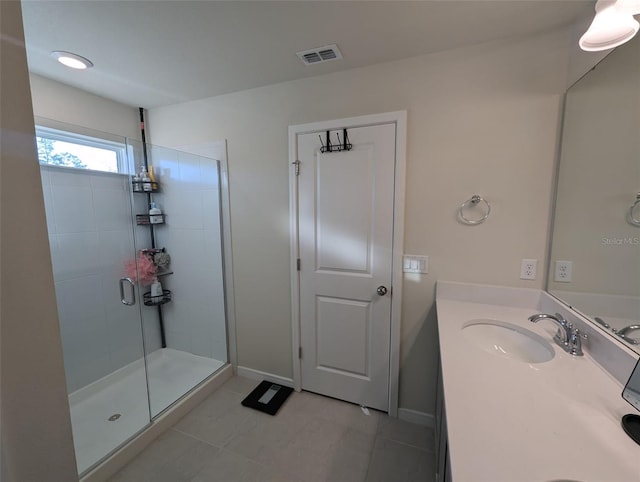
<point x="72" y="60"/>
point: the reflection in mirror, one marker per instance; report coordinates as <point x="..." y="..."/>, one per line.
<point x="631" y="393"/>
<point x="595" y="250"/>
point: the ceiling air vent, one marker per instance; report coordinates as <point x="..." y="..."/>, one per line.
<point x="320" y="54"/>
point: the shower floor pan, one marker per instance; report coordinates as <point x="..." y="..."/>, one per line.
<point x="111" y="410"/>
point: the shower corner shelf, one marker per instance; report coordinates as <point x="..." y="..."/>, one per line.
<point x="139" y="187"/>
<point x="149" y="219"/>
<point x="156" y="300"/>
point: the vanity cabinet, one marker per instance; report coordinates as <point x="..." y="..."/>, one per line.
<point x="443" y="472"/>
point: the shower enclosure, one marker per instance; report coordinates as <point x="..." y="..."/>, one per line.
<point x="129" y="354"/>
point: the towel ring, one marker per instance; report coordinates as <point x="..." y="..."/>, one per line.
<point x="475" y="200"/>
<point x="632" y="219"/>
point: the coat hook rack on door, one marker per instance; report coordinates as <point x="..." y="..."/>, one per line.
<point x="342" y="145"/>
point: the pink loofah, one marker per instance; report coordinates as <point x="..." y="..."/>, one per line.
<point x="145" y="268"/>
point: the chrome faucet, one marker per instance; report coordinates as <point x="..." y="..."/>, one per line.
<point x="622" y="333"/>
<point x="575" y="342"/>
<point x="567" y="337"/>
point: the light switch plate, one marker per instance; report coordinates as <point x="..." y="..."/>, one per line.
<point x="415" y="264"/>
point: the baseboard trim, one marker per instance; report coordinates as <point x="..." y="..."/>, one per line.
<point x="419" y="418"/>
<point x="258" y="375"/>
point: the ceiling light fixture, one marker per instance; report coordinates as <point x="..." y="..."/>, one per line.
<point x="612" y="25"/>
<point x="72" y="60"/>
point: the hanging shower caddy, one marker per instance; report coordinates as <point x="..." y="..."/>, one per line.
<point x="148" y="186"/>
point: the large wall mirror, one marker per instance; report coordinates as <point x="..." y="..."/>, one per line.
<point x="595" y="249"/>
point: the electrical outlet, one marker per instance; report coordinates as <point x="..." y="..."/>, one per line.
<point x="528" y="268"/>
<point x="562" y="272"/>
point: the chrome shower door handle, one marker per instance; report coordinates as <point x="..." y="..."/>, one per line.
<point x="133" y="292"/>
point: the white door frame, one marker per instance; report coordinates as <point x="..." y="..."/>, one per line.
<point x="400" y="119"/>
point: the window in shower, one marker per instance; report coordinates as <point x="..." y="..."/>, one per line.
<point x="66" y="149"/>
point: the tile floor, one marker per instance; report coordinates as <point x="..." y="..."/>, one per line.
<point x="312" y="438"/>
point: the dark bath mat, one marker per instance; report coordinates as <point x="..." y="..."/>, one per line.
<point x="267" y="397"/>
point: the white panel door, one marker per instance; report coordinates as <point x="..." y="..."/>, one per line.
<point x="345" y="229"/>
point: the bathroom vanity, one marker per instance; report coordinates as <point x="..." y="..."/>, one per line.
<point x="512" y="404"/>
<point x="522" y="409"/>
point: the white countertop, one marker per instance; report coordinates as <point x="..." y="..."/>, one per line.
<point x="510" y="421"/>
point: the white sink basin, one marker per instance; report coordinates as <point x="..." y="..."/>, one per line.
<point x="508" y="340"/>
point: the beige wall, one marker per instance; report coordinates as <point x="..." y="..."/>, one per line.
<point x="480" y="120"/>
<point x="36" y="429"/>
<point x="64" y="104"/>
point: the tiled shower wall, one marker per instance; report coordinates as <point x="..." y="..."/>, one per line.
<point x="90" y="233"/>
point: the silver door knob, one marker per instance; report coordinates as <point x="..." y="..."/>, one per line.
<point x="382" y="290"/>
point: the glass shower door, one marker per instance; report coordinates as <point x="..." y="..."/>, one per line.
<point x="130" y="353"/>
<point x="89" y="218"/>
<point x="185" y="328"/>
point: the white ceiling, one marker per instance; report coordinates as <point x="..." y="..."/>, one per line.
<point x="152" y="53"/>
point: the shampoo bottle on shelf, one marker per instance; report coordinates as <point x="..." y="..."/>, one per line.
<point x="146" y="180"/>
<point x="155" y="214"/>
<point x="152" y="175"/>
<point x="156" y="288"/>
<point x="136" y="182"/>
